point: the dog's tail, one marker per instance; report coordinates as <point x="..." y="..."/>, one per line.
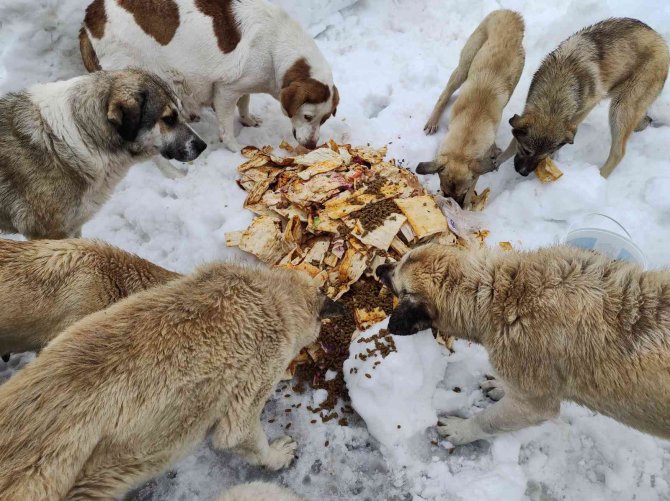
<point x="259" y="491"/>
<point x="88" y="54"/>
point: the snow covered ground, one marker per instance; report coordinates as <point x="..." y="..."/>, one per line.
<point x="390" y="60"/>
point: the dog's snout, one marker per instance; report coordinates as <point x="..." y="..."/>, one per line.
<point x="198" y="145"/>
<point x="524" y="166"/>
<point x="311" y="144"/>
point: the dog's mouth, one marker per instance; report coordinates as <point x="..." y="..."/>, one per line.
<point x="525" y="165"/>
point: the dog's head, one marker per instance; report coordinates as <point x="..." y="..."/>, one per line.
<point x="458" y="175"/>
<point x="146" y="115"/>
<point x="416" y="280"/>
<point x="538" y="137"/>
<point x="307" y="102"/>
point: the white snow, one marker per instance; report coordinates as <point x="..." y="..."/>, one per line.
<point x="391" y="59"/>
<point x="395" y="397"/>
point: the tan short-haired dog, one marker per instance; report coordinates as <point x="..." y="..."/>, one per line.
<point x="47" y="285"/>
<point x="489" y="69"/>
<point x="559" y="323"/>
<point x="126" y="391"/>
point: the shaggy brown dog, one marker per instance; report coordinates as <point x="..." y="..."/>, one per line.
<point x="559" y="323"/>
<point x="623" y="59"/>
<point x="126" y="391"/>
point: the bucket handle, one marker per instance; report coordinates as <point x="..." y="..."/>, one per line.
<point x="611" y="219"/>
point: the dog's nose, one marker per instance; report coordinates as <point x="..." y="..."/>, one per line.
<point x="521" y="165"/>
<point x="310" y="145"/>
<point x="199" y="145"/>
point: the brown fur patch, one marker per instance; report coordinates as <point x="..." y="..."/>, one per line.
<point x="88" y="54"/>
<point x="298" y="88"/>
<point x="226" y="28"/>
<point x="157" y="18"/>
<point x="96" y="18"/>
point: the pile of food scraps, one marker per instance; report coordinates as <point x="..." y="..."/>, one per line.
<point x="337" y="213"/>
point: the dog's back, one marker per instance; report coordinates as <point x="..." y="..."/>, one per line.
<point x="598" y="59"/>
<point x="499" y="62"/>
<point x="47" y="285"/>
<point x="601" y="326"/>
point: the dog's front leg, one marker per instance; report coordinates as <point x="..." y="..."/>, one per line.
<point x="225" y="102"/>
<point x="507" y="154"/>
<point x="247" y="119"/>
<point x="510" y="414"/>
<point x="254" y="447"/>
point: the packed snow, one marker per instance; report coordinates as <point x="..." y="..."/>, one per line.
<point x="391" y="59"/>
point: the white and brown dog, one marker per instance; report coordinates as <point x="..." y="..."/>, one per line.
<point x="216" y="53"/>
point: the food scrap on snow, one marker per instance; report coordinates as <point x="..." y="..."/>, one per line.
<point x="336" y="213"/>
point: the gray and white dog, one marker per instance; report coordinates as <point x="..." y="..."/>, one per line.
<point x="622" y="59"/>
<point x="64" y="146"/>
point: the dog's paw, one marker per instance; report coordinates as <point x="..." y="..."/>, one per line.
<point x="493" y="388"/>
<point x="457" y="430"/>
<point x="281" y="453"/>
<point x="231" y="143"/>
<point x="430" y="127"/>
<point x="251" y="121"/>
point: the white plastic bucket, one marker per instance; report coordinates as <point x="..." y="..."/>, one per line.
<point x="606" y="235"/>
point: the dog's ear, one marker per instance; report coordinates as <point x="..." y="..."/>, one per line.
<point x="124" y="112"/>
<point x="519" y="126"/>
<point x="410" y="317"/>
<point x="428" y="168"/>
<point x="336" y="100"/>
<point x="329" y="308"/>
<point x="488" y="163"/>
<point x="571" y="130"/>
<point x="292" y="98"/>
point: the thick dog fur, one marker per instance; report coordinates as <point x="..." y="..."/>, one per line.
<point x="47" y="285"/>
<point x="216" y="53"/>
<point x="64" y="146"/>
<point x="259" y="491"/>
<point x="623" y="59"/>
<point x="489" y="69"/>
<point x="559" y="323"/>
<point x="126" y="391"/>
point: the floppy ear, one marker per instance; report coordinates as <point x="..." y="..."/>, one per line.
<point x="336" y="100"/>
<point x="330" y="308"/>
<point x="488" y="163"/>
<point x="410" y="317"/>
<point x="125" y="114"/>
<point x="519" y="126"/>
<point x="428" y="168"/>
<point x="292" y="98"/>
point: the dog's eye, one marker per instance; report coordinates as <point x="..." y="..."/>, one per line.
<point x="309" y="118"/>
<point x="170" y="120"/>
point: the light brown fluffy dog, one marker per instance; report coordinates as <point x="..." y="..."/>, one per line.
<point x="126" y="391"/>
<point x="559" y="323"/>
<point x="489" y="69"/>
<point x="47" y="285"/>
